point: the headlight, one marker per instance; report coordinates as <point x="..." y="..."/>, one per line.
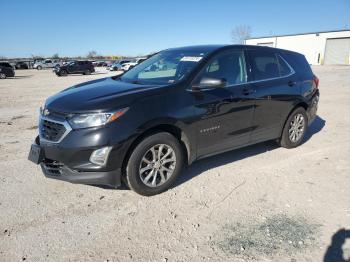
<point x="93" y="120"/>
<point x="42" y="107"/>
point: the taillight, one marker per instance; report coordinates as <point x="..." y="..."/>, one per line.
<point x="316" y="81"/>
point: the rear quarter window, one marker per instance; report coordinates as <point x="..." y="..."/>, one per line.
<point x="284" y="68"/>
<point x="299" y="64"/>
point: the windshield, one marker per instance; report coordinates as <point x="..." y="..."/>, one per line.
<point x="164" y="68"/>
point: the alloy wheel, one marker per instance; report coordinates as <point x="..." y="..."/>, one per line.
<point x="296" y="128"/>
<point x="157" y="165"/>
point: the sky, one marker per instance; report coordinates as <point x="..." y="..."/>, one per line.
<point x="136" y="27"/>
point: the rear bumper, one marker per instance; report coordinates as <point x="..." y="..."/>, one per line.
<point x="312" y="109"/>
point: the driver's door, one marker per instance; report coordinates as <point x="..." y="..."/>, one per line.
<point x="72" y="67"/>
<point x="224" y="114"/>
<point x="48" y="63"/>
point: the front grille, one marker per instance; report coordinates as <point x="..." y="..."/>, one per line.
<point x="51" y="131"/>
<point x="53" y="168"/>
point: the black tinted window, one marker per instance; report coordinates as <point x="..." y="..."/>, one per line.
<point x="299" y="63"/>
<point x="5" y="65"/>
<point x="284" y="68"/>
<point x="264" y="64"/>
<point x="229" y="66"/>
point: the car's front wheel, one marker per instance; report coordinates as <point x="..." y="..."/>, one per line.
<point x="294" y="129"/>
<point x="63" y="72"/>
<point x="2" y="76"/>
<point x="39" y="67"/>
<point x="154" y="164"/>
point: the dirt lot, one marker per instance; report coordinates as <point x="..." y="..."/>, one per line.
<point x="260" y="203"/>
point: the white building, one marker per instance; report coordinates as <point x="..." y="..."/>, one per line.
<point x="331" y="47"/>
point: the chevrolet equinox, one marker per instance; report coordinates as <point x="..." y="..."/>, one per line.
<point x="142" y="127"/>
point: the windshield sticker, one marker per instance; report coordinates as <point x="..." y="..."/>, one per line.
<point x="191" y="59"/>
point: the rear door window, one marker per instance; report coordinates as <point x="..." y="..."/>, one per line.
<point x="264" y="64"/>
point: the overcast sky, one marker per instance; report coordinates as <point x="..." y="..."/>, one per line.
<point x="72" y="28"/>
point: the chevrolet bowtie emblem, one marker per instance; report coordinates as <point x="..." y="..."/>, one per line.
<point x="46" y="112"/>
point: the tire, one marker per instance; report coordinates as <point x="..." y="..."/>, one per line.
<point x="146" y="174"/>
<point x="294" y="129"/>
<point x="63" y="73"/>
<point x="87" y="72"/>
<point x="2" y="75"/>
<point x="39" y="67"/>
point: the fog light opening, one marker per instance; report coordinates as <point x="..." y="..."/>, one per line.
<point x="100" y="156"/>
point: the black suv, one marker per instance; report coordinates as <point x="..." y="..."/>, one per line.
<point x="142" y="127"/>
<point x="21" y="65"/>
<point x="6" y="70"/>
<point x="75" y="67"/>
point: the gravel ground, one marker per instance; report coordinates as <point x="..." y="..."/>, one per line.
<point x="261" y="203"/>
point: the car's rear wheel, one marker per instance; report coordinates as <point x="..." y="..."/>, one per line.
<point x="87" y="72"/>
<point x="154" y="164"/>
<point x="294" y="129"/>
<point x="2" y="76"/>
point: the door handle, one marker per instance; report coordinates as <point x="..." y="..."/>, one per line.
<point x="292" y="83"/>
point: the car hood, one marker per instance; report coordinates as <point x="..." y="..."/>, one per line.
<point x="62" y="66"/>
<point x="98" y="96"/>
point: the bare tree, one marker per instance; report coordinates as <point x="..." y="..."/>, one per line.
<point x="92" y="54"/>
<point x="240" y="33"/>
<point x="55" y="56"/>
<point x="36" y="56"/>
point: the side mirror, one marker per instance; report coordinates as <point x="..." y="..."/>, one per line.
<point x="208" y="83"/>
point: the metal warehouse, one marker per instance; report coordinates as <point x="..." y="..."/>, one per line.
<point x="328" y="48"/>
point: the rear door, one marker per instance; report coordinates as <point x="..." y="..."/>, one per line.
<point x="80" y="67"/>
<point x="224" y="114"/>
<point x="276" y="86"/>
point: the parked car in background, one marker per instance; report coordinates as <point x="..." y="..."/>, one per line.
<point x="127" y="66"/>
<point x="144" y="126"/>
<point x="100" y="63"/>
<point x="6" y="70"/>
<point x="116" y="66"/>
<point x="48" y="63"/>
<point x="109" y="63"/>
<point x="75" y="67"/>
<point x="21" y="65"/>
